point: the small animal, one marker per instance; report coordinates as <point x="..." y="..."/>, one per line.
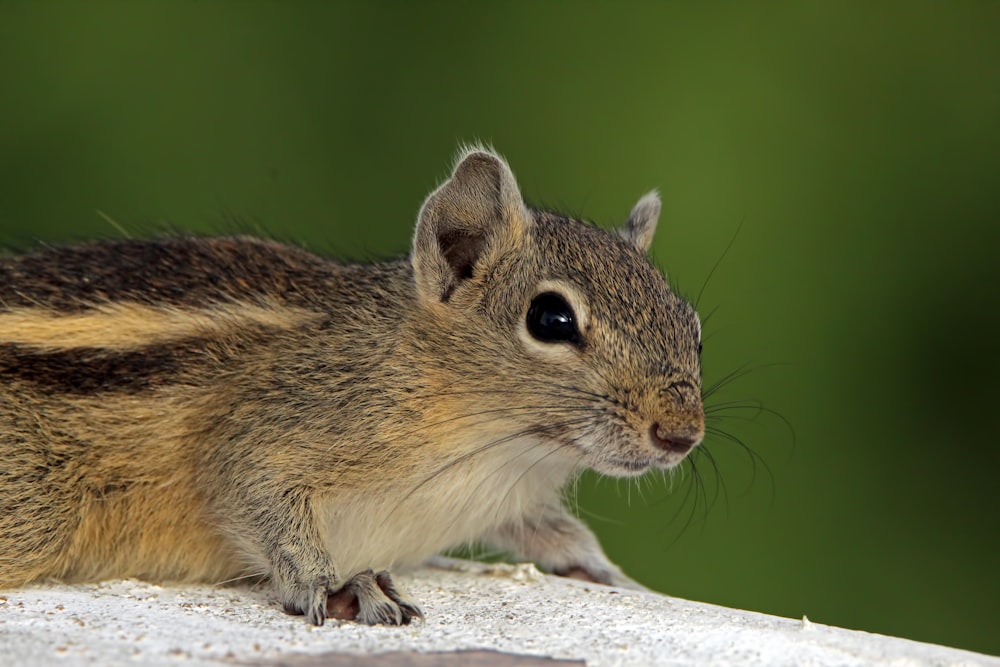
<point x="192" y="409"/>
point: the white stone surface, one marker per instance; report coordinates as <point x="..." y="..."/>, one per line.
<point x="512" y="609"/>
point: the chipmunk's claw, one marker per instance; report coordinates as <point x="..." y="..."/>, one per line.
<point x="409" y="609"/>
<point x="372" y="598"/>
<point x="311" y="601"/>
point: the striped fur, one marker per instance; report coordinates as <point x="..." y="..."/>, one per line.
<point x="125" y="326"/>
<point x="203" y="409"/>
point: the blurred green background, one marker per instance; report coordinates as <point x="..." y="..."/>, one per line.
<point x="859" y="142"/>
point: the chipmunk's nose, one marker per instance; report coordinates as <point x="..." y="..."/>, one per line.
<point x="677" y="441"/>
<point x="678" y="418"/>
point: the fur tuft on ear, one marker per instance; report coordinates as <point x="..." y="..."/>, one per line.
<point x="476" y="210"/>
<point x="641" y="225"/>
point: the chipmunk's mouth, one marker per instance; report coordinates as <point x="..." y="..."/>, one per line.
<point x="622" y="466"/>
<point x="629" y="466"/>
<point x="611" y="456"/>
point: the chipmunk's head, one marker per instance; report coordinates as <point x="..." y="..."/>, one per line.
<point x="564" y="331"/>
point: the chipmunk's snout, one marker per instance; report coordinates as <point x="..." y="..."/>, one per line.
<point x="673" y="440"/>
<point x="679" y="420"/>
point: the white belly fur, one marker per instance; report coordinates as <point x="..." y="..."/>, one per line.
<point x="415" y="521"/>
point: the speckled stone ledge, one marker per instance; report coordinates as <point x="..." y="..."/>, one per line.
<point x="496" y="614"/>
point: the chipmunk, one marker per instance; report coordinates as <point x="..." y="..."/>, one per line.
<point x="194" y="409"/>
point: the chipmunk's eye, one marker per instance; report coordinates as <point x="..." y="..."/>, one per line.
<point x="551" y="319"/>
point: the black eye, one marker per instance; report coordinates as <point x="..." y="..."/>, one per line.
<point x="699" y="348"/>
<point x="551" y="320"/>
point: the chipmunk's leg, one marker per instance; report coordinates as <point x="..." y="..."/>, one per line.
<point x="301" y="569"/>
<point x="372" y="598"/>
<point x="560" y="543"/>
<point x="304" y="574"/>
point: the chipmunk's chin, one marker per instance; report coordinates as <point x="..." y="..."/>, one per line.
<point x="615" y="456"/>
<point x="631" y="466"/>
<point x="623" y="467"/>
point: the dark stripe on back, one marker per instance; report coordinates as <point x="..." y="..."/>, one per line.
<point x="177" y="271"/>
<point x="86" y="370"/>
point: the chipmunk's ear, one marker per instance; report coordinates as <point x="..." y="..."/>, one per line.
<point x="641" y="225"/>
<point x="473" y="217"/>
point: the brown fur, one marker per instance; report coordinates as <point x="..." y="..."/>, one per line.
<point x="193" y="409"/>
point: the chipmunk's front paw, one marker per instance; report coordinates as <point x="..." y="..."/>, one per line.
<point x="310" y="601"/>
<point x="372" y="598"/>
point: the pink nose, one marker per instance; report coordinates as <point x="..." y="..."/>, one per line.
<point x="679" y="443"/>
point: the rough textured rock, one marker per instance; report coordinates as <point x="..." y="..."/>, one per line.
<point x="499" y="615"/>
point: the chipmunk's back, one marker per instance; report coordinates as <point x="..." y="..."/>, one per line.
<point x="112" y="357"/>
<point x="182" y="271"/>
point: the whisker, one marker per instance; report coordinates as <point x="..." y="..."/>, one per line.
<point x="693" y="487"/>
<point x="753" y="456"/>
<point x="578" y="390"/>
<point x="517" y="410"/>
<point x="547" y="385"/>
<point x="510" y="490"/>
<point x="471" y="390"/>
<point x="532" y="430"/>
<point x="252" y="575"/>
<point x="725" y="252"/>
<point x="705" y="320"/>
<point x="738" y="404"/>
<point x="714" y="414"/>
<point x="590" y="514"/>
<point x="720" y="483"/>
<point x="740" y="372"/>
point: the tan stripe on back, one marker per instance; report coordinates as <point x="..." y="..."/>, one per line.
<point x="120" y="326"/>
